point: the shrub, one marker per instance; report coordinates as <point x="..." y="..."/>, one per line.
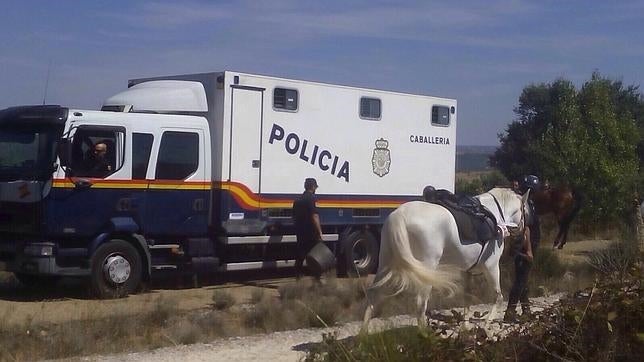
<point x="257" y="295"/>
<point x="222" y="300"/>
<point x="184" y="332"/>
<point x="163" y="309"/>
<point x="212" y="324"/>
<point x="292" y="291"/>
<point x="322" y="311"/>
<point x="616" y="259"/>
<point x="547" y="264"/>
<point x="599" y="324"/>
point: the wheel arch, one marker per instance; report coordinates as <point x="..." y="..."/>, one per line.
<point x="125" y="228"/>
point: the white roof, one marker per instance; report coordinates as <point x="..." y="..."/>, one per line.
<point x="163" y="96"/>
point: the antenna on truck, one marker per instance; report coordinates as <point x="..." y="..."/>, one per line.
<point x="44" y="97"/>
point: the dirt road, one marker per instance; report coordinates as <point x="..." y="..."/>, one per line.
<point x="293" y="345"/>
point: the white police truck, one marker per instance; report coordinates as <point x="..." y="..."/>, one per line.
<point x="201" y="171"/>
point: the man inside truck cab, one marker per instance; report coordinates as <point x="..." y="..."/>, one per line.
<point x="96" y="163"/>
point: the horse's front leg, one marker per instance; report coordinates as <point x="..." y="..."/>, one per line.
<point x="493" y="276"/>
<point x="559" y="239"/>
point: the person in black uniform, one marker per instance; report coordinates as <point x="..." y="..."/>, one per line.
<point x="532" y="183"/>
<point x="525" y="247"/>
<point x="96" y="165"/>
<point x="307" y="223"/>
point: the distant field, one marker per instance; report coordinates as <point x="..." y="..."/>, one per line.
<point x="473" y="158"/>
<point x="468" y="176"/>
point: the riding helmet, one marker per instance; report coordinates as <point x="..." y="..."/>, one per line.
<point x="531" y="182"/>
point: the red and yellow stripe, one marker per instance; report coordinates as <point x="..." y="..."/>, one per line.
<point x="249" y="200"/>
<point x="240" y="193"/>
<point x="138" y="184"/>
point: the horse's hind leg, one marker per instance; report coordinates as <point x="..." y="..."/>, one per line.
<point x="421" y="302"/>
<point x="373" y="298"/>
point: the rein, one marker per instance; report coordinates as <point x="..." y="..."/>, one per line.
<point x="509" y="230"/>
<point x="521" y="222"/>
<point x="497" y="205"/>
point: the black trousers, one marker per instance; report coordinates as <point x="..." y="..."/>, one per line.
<point x="304" y="245"/>
<point x="519" y="291"/>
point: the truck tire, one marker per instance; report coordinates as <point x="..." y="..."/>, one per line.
<point x="359" y="254"/>
<point x="36" y="281"/>
<point x="116" y="270"/>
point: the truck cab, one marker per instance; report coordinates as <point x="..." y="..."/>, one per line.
<point x="61" y="216"/>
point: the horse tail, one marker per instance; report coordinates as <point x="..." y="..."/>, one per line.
<point x="403" y="271"/>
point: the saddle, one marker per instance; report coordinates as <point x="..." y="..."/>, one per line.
<point x="476" y="224"/>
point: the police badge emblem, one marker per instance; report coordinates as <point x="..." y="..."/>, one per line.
<point x="381" y="159"/>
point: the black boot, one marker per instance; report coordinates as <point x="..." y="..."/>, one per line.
<point x="525" y="311"/>
<point x="510" y="315"/>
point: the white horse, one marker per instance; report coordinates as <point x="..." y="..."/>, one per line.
<point x="418" y="236"/>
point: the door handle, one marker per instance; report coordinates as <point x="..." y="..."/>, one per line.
<point x="256" y="163"/>
<point x="124" y="204"/>
<point x="197" y="205"/>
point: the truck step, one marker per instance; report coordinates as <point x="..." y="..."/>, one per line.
<point x="164" y="246"/>
<point x="251" y="265"/>
<point x="271" y="239"/>
<point x="164" y="267"/>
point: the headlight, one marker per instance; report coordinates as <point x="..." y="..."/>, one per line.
<point x="39" y="250"/>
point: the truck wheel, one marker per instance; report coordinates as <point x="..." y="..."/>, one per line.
<point x="359" y="253"/>
<point x="36" y="281"/>
<point x="116" y="270"/>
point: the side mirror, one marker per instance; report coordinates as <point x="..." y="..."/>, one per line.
<point x="82" y="183"/>
<point x="65" y="152"/>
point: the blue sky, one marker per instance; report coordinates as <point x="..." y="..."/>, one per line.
<point x="480" y="52"/>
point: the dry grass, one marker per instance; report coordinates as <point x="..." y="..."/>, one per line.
<point x="165" y="322"/>
<point x="468" y="176"/>
<point x="162" y="326"/>
<point x="222" y="300"/>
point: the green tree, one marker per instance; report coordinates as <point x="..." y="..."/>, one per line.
<point x="586" y="138"/>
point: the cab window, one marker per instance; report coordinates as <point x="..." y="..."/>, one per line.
<point x="141" y="148"/>
<point x="178" y="155"/>
<point x="97" y="153"/>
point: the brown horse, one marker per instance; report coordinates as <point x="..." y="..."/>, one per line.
<point x="564" y="203"/>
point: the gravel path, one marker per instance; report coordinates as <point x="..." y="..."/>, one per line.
<point x="292" y="345"/>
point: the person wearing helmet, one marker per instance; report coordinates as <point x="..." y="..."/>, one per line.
<point x="530" y="182"/>
<point x="525" y="247"/>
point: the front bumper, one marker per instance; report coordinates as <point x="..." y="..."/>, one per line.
<point x="13" y="258"/>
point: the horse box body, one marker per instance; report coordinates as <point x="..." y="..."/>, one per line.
<point x="205" y="168"/>
<point x="269" y="134"/>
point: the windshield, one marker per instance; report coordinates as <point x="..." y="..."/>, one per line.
<point x="26" y="154"/>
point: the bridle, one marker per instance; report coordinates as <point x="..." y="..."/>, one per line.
<point x="513" y="231"/>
